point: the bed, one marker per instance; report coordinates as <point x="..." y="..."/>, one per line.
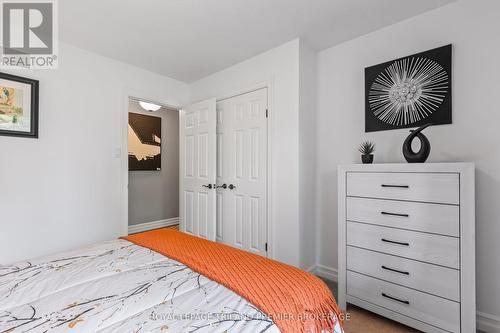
<point x="119" y="286"/>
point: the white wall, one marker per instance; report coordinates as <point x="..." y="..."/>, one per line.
<point x="472" y="27"/>
<point x="280" y="67"/>
<point x="307" y="155"/>
<point x="66" y="188"/>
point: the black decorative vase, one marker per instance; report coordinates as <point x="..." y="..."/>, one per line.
<point x="425" y="146"/>
<point x="367" y="159"/>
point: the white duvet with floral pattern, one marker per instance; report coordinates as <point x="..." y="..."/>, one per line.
<point x="117" y="286"/>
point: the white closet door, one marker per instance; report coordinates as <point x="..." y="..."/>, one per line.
<point x="197" y="207"/>
<point x="242" y="163"/>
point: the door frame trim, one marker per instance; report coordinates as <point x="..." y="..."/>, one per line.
<point x="269" y="84"/>
<point x="127" y="95"/>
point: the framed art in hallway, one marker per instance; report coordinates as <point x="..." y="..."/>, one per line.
<point x="144" y="142"/>
<point x="409" y="91"/>
<point x="18" y="106"/>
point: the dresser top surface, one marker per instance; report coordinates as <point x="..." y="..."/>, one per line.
<point x="461" y="167"/>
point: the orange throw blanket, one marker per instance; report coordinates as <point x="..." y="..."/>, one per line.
<point x="295" y="300"/>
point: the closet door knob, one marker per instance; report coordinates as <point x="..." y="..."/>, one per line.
<point x="224" y="186"/>
<point x="232" y="187"/>
<point x="209" y="186"/>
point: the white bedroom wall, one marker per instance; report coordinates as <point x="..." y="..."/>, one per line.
<point x="307" y="155"/>
<point x="280" y="68"/>
<point x="472" y="27"/>
<point x="66" y="188"/>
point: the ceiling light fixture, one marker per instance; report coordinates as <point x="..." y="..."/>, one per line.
<point x="149" y="106"/>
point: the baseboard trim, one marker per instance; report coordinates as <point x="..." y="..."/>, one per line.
<point x="311" y="269"/>
<point x="487" y="322"/>
<point x="325" y="272"/>
<point x="133" y="229"/>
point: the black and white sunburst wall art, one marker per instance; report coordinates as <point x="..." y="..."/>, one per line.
<point x="409" y="92"/>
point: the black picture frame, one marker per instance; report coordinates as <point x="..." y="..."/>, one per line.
<point x="436" y="63"/>
<point x="34" y="101"/>
<point x="145" y="128"/>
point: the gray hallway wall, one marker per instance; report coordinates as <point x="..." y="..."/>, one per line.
<point x="154" y="195"/>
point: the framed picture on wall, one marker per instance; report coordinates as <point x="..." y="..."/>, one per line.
<point x="409" y="92"/>
<point x="18" y="106"/>
<point x="144" y="142"/>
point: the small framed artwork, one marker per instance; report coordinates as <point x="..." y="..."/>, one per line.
<point x="144" y="142"/>
<point x="409" y="92"/>
<point x="18" y="106"/>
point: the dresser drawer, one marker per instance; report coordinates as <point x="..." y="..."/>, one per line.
<point x="424" y="187"/>
<point x="430" y="309"/>
<point x="435" y="249"/>
<point x="432" y="279"/>
<point x="433" y="218"/>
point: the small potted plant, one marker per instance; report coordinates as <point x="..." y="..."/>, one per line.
<point x="366" y="149"/>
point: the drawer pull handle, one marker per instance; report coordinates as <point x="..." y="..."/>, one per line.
<point x="395" y="214"/>
<point x="395" y="270"/>
<point x="394" y="242"/>
<point x="396" y="299"/>
<point x="395" y="186"/>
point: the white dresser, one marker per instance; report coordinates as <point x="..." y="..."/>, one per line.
<point x="406" y="243"/>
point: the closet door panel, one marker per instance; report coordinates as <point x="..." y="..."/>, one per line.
<point x="197" y="172"/>
<point x="243" y="129"/>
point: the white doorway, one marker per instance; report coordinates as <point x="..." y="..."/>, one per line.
<point x="224" y="170"/>
<point x="222" y="142"/>
<point x="242" y="171"/>
<point x="153" y="165"/>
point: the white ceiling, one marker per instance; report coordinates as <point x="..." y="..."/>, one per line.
<point x="190" y="39"/>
